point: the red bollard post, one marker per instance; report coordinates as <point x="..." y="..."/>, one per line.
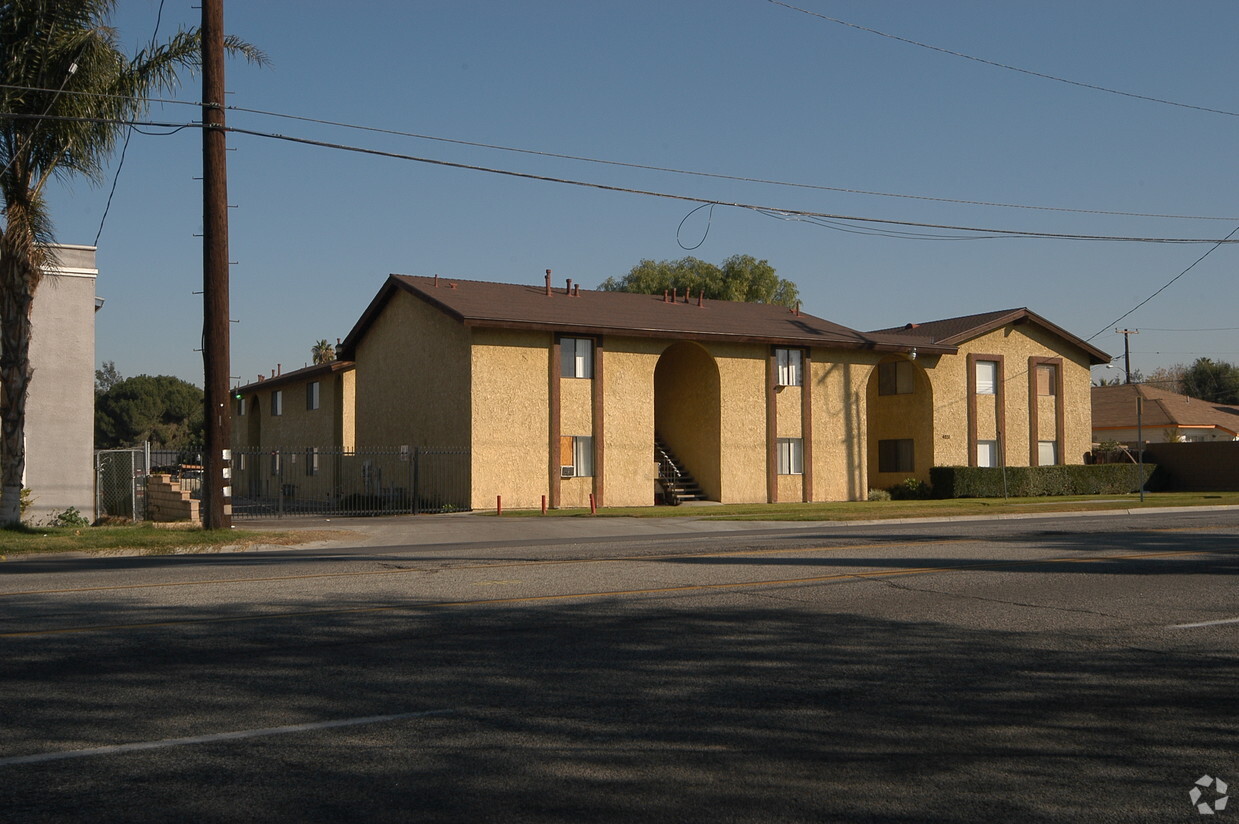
<point x="593" y="506"/>
<point x="498" y="504"/>
<point x="543" y="504"/>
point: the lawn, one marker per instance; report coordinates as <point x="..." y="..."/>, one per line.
<point x="883" y="510"/>
<point x="145" y="538"/>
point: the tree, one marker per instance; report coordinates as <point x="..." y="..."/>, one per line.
<point x="162" y="409"/>
<point x="67" y="92"/>
<point x="740" y="277"/>
<point x="1213" y="381"/>
<point x="1169" y="378"/>
<point x="106" y="377"/>
<point x="323" y="352"/>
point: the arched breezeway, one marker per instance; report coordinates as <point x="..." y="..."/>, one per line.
<point x="687" y="412"/>
<point x="899" y="422"/>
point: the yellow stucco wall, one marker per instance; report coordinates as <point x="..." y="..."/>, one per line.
<point x="510" y="417"/>
<point x="628" y="415"/>
<point x="898" y="417"/>
<point x="742" y="374"/>
<point x="413" y="378"/>
<point x="839" y="379"/>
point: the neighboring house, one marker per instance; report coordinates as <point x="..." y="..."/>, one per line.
<point x="564" y="393"/>
<point x="60" y="403"/>
<point x="1166" y="417"/>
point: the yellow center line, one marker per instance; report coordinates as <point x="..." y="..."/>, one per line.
<point x="495" y="565"/>
<point x="529" y="599"/>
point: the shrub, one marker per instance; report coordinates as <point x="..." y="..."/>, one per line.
<point x="879" y="495"/>
<point x="70" y="517"/>
<point x="910" y="489"/>
<point x="1037" y="481"/>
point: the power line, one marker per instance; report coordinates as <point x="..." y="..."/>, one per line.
<point x="670" y="170"/>
<point x="1215" y="247"/>
<point x="1010" y="233"/>
<point x="763" y="209"/>
<point x="995" y="64"/>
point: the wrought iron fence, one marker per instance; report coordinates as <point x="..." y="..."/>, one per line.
<point x="318" y="481"/>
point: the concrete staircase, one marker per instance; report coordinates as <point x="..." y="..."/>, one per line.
<point x="677" y="484"/>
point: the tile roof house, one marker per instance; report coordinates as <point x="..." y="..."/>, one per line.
<point x="566" y="392"/>
<point x="1166" y="416"/>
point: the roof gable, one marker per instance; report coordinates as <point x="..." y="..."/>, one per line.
<point x="954" y="331"/>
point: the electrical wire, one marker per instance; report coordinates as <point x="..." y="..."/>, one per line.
<point x="670" y="170"/>
<point x="1215" y="247"/>
<point x="124" y="149"/>
<point x="1006" y="66"/>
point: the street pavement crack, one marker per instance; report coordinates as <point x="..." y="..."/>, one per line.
<point x="962" y="597"/>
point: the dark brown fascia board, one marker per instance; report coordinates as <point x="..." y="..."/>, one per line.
<point x="297" y="375"/>
<point x="1095" y="355"/>
<point x="722" y="337"/>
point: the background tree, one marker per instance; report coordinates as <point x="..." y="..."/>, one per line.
<point x="1213" y="381"/>
<point x="164" y="410"/>
<point x="1169" y="378"/>
<point x="66" y="94"/>
<point x="740" y="277"/>
<point x="323" y="352"/>
<point x="106" y="377"/>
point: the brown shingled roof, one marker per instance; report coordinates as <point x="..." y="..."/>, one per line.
<point x="954" y="331"/>
<point x="516" y="306"/>
<point x="1114" y="407"/>
<point x="284" y="378"/>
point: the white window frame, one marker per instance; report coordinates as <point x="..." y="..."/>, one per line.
<point x="789" y="367"/>
<point x="576" y="357"/>
<point x="277" y="403"/>
<point x="987" y="449"/>
<point x="1042" y="454"/>
<point x="987" y="384"/>
<point x="789" y="458"/>
<point x="313" y="394"/>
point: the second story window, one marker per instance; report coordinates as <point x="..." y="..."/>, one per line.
<point x="987" y="377"/>
<point x="311" y="395"/>
<point x="277" y="402"/>
<point x="576" y="357"/>
<point x="896" y="378"/>
<point x="788" y="367"/>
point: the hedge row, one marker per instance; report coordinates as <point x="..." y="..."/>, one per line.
<point x="1036" y="481"/>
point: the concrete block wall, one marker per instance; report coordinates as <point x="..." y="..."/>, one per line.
<point x="166" y="501"/>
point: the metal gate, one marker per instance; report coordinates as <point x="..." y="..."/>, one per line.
<point x="120" y="482"/>
<point x="333" y="482"/>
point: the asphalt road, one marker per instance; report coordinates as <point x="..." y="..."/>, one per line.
<point x="1065" y="669"/>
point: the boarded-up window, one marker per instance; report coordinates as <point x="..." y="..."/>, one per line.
<point x="576" y="456"/>
<point x="1047" y="379"/>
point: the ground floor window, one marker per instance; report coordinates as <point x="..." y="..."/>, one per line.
<point x="576" y="456"/>
<point x="790" y="456"/>
<point x="1047" y="453"/>
<point x="987" y="453"/>
<point x="896" y="455"/>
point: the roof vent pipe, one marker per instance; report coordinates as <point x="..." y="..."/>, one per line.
<point x="548" y="283"/>
<point x="664" y="296"/>
<point x="576" y="291"/>
<point x="674" y="296"/>
<point x="700" y="297"/>
<point x="568" y="291"/>
<point x="436" y="280"/>
<point x="279" y="369"/>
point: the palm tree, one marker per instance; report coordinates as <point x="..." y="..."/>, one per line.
<point x="323" y="352"/>
<point x="67" y="92"/>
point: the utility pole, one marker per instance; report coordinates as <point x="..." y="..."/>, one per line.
<point x="216" y="355"/>
<point x="1127" y="333"/>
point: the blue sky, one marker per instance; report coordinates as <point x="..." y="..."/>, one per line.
<point x="745" y="88"/>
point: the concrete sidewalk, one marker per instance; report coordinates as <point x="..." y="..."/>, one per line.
<point x="470" y="528"/>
